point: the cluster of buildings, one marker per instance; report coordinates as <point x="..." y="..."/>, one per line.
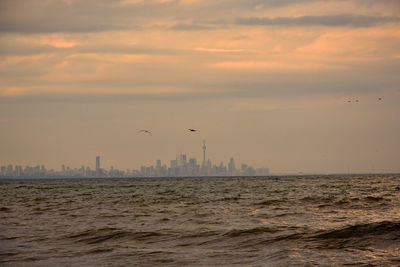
<point x="179" y="167"/>
<point x="40" y="171"/>
<point x="184" y="167"/>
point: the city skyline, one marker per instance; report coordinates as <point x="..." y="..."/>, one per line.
<point x="348" y="168"/>
<point x="97" y="165"/>
<point x="178" y="167"/>
<point x="181" y="166"/>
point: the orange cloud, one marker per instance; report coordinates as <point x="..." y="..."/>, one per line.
<point x="216" y="50"/>
<point x="355" y="44"/>
<point x="59" y="43"/>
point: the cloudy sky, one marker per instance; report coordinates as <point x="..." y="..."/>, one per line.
<point x="265" y="81"/>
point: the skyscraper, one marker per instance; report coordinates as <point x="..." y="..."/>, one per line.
<point x="204" y="153"/>
<point x="181" y="160"/>
<point x="231" y="166"/>
<point x="97" y="163"/>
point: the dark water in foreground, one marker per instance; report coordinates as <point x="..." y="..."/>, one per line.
<point x="292" y="221"/>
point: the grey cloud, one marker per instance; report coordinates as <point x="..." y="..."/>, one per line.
<point x="190" y="27"/>
<point x="332" y="21"/>
<point x="28" y="16"/>
<point x="39" y="16"/>
<point x="121" y="49"/>
<point x="104" y="98"/>
<point x="23" y="49"/>
<point x="54" y="26"/>
<point x="369" y="81"/>
<point x="374" y="2"/>
<point x="17" y="48"/>
<point x="53" y="16"/>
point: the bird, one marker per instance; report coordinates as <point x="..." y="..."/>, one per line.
<point x="145" y="131"/>
<point x="357" y="100"/>
<point x="380" y="98"/>
<point x="192" y="130"/>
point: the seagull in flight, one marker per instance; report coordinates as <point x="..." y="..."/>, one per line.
<point x="192" y="130"/>
<point x="145" y="131"/>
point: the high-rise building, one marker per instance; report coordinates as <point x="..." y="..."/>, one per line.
<point x="143" y="170"/>
<point x="174" y="163"/>
<point x="231" y="166"/>
<point x="208" y="166"/>
<point x="243" y="167"/>
<point x="97" y="163"/>
<point x="204" y="153"/>
<point x="18" y="170"/>
<point x="192" y="162"/>
<point x="181" y="160"/>
<point x="10" y="169"/>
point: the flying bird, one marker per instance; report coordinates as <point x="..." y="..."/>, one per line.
<point x="192" y="130"/>
<point x="380" y="98"/>
<point x="145" y="131"/>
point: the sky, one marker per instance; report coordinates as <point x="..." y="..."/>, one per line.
<point x="267" y="82"/>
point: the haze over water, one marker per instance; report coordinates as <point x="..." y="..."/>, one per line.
<point x="263" y="221"/>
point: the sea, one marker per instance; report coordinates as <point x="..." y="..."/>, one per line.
<point x="318" y="220"/>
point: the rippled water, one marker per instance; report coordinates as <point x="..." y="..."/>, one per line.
<point x="281" y="221"/>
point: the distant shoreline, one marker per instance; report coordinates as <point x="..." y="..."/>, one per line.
<point x="272" y="176"/>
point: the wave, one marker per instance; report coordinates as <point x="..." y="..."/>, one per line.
<point x="200" y="234"/>
<point x="316" y="199"/>
<point x="374" y="199"/>
<point x="269" y="202"/>
<point x="360" y="230"/>
<point x="99" y="250"/>
<point x="252" y="231"/>
<point x="355" y="202"/>
<point x="360" y="236"/>
<point x="104" y="234"/>
<point x="229" y="199"/>
<point x="5" y="209"/>
<point x="356" y="236"/>
<point x="257" y="231"/>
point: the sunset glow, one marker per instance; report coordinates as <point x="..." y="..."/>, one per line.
<point x="276" y="73"/>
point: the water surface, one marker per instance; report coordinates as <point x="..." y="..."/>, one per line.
<point x="263" y="221"/>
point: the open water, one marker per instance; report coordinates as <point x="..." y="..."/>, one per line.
<point x="264" y="221"/>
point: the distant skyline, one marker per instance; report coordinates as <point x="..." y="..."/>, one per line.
<point x="264" y="81"/>
<point x="181" y="166"/>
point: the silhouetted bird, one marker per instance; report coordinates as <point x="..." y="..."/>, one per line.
<point x="192" y="130"/>
<point x="357" y="100"/>
<point x="380" y="98"/>
<point x="145" y="131"/>
<point x="349" y="101"/>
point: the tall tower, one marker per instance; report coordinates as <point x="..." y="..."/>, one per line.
<point x="97" y="163"/>
<point x="204" y="153"/>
